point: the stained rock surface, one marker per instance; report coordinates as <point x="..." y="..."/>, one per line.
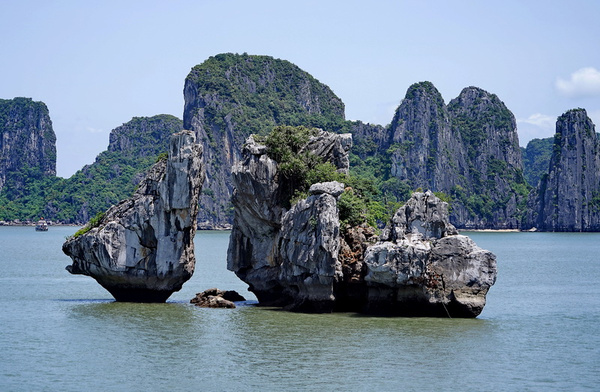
<point x="142" y="249"/>
<point x="567" y="198"/>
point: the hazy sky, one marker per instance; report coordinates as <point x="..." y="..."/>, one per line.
<point x="97" y="64"/>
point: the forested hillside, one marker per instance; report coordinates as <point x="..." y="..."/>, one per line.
<point x="467" y="151"/>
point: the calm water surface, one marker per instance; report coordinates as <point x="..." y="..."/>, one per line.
<point x="540" y="330"/>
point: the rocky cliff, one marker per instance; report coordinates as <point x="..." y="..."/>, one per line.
<point x="142" y="249"/>
<point x="497" y="190"/>
<point x="229" y="97"/>
<point x="468" y="150"/>
<point x="27" y="143"/>
<point x="302" y="259"/>
<point x="426" y="151"/>
<point x="568" y="197"/>
<point x="287" y="257"/>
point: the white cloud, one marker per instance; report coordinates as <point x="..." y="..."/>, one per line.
<point x="539" y="120"/>
<point x="583" y="82"/>
<point x="536" y="126"/>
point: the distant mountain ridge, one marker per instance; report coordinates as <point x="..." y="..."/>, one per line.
<point x="467" y="150"/>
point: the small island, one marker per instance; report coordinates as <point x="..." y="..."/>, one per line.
<point x="299" y="241"/>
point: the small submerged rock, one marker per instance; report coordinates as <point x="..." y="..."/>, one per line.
<point x="215" y="298"/>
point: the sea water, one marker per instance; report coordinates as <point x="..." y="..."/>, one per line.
<point x="540" y="330"/>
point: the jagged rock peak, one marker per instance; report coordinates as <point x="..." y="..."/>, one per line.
<point x="426" y="152"/>
<point x="477" y="97"/>
<point x="568" y="197"/>
<point x="427" y="90"/>
<point x="421" y="99"/>
<point x="424" y="215"/>
<point x="142" y="249"/>
<point x="468" y="149"/>
<point x="27" y="140"/>
<point x="483" y="119"/>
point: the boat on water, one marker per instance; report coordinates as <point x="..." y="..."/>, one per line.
<point x="41" y="225"/>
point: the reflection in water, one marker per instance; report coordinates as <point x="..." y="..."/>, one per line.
<point x="260" y="348"/>
<point x="279" y="348"/>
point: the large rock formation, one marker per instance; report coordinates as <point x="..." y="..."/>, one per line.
<point x="568" y="197"/>
<point x="229" y="97"/>
<point x="287" y="257"/>
<point x="496" y="194"/>
<point x="300" y="259"/>
<point x="142" y="249"/>
<point x="27" y="143"/>
<point x="426" y="151"/>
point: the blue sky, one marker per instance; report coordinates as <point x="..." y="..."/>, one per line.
<point x="97" y="64"/>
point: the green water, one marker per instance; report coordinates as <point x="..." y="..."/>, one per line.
<point x="540" y="330"/>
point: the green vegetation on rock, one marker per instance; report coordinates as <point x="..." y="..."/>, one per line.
<point x="256" y="93"/>
<point x="300" y="169"/>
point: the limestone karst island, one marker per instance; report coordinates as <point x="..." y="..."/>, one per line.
<point x="325" y="214"/>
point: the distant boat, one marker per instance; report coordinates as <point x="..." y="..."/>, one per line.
<point x="41" y="225"/>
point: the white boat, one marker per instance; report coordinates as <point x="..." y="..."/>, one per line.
<point x="41" y="225"/>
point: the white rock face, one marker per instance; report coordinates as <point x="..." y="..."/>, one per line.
<point x="308" y="252"/>
<point x="143" y="249"/>
<point x="424" y="267"/>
